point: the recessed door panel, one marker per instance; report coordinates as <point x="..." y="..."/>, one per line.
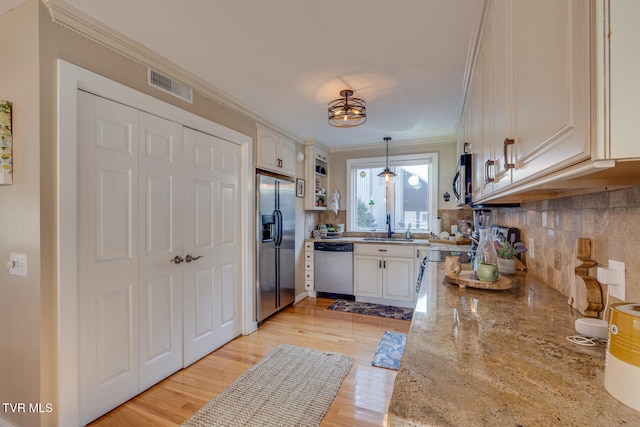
<point x="115" y="350"/>
<point x="114" y="230"/>
<point x="159" y="332"/>
<point x="159" y="215"/>
<point x="205" y="303"/>
<point x="204" y="211"/>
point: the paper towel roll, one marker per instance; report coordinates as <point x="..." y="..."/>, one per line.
<point x="438" y="227"/>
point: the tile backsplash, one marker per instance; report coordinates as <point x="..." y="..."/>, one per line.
<point x="313" y="218"/>
<point x="610" y="219"/>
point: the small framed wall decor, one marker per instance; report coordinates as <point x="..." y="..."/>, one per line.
<point x="6" y="144"/>
<point x="299" y="187"/>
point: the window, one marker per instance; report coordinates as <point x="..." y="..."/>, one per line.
<point x="409" y="198"/>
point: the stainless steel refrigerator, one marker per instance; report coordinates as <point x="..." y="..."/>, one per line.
<point x="276" y="243"/>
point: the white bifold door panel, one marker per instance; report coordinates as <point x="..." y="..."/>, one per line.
<point x="159" y="250"/>
<point x="212" y="207"/>
<point x="108" y="254"/>
<point x="160" y="240"/>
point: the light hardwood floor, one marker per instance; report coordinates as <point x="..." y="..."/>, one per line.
<point x="363" y="398"/>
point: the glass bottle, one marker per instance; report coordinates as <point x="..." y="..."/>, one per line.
<point x="485" y="266"/>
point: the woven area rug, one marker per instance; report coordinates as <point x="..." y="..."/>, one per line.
<point x="372" y="309"/>
<point x="290" y="386"/>
<point x="390" y="350"/>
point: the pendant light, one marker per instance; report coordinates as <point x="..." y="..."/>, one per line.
<point x="387" y="173"/>
<point x="347" y="112"/>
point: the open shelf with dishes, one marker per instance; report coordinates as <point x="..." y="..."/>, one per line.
<point x="317" y="173"/>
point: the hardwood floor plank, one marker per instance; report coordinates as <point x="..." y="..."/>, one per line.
<point x="363" y="398"/>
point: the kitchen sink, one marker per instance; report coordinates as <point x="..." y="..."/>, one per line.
<point x="387" y="239"/>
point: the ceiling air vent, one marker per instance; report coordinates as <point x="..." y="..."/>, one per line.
<point x="171" y="86"/>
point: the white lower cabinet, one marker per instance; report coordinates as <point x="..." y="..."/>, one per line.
<point x="384" y="274"/>
<point x="309" y="268"/>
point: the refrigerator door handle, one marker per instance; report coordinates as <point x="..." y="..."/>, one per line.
<point x="278" y="216"/>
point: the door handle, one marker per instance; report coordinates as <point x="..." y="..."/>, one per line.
<point x="508" y="142"/>
<point x="177" y="259"/>
<point x="487" y="177"/>
<point x="189" y="258"/>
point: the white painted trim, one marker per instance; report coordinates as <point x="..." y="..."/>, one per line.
<point x="71" y="78"/>
<point x="426" y="143"/>
<point x="300" y="297"/>
<point x="398" y="160"/>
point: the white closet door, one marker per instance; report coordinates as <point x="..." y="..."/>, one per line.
<point x="160" y="234"/>
<point x="211" y="283"/>
<point x="108" y="254"/>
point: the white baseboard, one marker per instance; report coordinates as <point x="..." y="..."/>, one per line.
<point x="301" y="296"/>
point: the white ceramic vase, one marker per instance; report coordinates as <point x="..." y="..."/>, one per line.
<point x="507" y="267"/>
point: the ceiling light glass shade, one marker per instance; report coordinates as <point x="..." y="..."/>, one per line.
<point x="386" y="172"/>
<point x="347" y="112"/>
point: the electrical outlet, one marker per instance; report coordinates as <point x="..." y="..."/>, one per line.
<point x="531" y="249"/>
<point x="617" y="290"/>
<point x="614" y="277"/>
<point x="17" y="264"/>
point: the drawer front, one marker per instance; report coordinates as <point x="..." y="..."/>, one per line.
<point x="308" y="246"/>
<point x="386" y="250"/>
<point x="308" y="275"/>
<point x="308" y="266"/>
<point x="308" y="255"/>
<point x="308" y="285"/>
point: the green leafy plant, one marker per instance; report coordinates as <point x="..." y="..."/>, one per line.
<point x="508" y="249"/>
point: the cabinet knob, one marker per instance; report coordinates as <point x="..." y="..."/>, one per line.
<point x="508" y="142"/>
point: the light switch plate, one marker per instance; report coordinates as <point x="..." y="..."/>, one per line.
<point x="18" y="264"/>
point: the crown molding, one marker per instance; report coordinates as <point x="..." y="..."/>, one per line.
<point x="421" y="142"/>
<point x="86" y="26"/>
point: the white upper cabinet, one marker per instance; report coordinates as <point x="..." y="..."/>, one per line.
<point x="617" y="71"/>
<point x="552" y="90"/>
<point x="552" y="98"/>
<point x="275" y="152"/>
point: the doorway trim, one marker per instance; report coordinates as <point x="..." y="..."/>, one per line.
<point x="72" y="78"/>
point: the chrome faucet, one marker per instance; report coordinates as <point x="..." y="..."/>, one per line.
<point x="389" y="232"/>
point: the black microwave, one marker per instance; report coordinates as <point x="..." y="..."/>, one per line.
<point x="462" y="181"/>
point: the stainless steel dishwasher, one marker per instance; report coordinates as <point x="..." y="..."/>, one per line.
<point x="333" y="269"/>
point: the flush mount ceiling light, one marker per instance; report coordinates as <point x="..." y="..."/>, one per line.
<point x="387" y="173"/>
<point x="347" y="112"/>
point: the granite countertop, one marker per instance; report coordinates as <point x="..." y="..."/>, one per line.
<point x="395" y="240"/>
<point x="479" y="357"/>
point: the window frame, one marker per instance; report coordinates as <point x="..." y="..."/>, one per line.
<point x="393" y="161"/>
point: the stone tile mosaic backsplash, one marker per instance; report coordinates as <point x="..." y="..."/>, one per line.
<point x="610" y="219"/>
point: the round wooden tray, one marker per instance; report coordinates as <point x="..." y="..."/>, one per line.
<point x="465" y="280"/>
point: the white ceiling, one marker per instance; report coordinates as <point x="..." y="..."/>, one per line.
<point x="288" y="58"/>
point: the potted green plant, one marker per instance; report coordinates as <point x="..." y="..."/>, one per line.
<point x="506" y="250"/>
